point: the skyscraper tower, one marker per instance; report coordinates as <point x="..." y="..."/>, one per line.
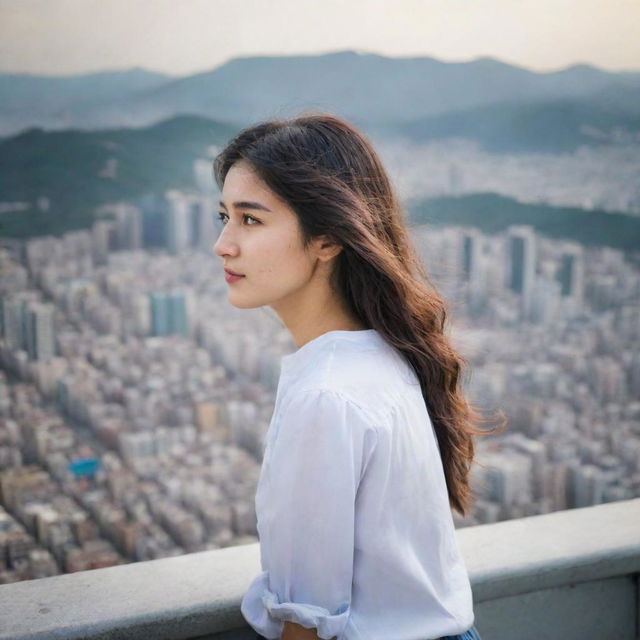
<point x="169" y="313"/>
<point x="15" y="319"/>
<point x="471" y="251"/>
<point x="522" y="263"/>
<point x="178" y="221"/>
<point x="570" y="272"/>
<point x="40" y="332"/>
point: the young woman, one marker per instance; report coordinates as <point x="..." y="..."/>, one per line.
<point x="371" y="439"/>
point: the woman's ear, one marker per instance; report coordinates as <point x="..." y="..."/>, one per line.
<point x="326" y="248"/>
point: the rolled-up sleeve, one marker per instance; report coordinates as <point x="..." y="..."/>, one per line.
<point x="321" y="448"/>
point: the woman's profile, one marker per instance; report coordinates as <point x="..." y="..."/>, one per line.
<point x="371" y="440"/>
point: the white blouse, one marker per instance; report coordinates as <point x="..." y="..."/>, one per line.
<point x="356" y="534"/>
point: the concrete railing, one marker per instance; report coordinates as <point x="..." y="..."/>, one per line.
<point x="568" y="575"/>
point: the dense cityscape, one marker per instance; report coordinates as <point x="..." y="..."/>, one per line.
<point x="134" y="399"/>
<point x="606" y="177"/>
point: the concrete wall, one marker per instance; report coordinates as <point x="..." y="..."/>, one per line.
<point x="566" y="575"/>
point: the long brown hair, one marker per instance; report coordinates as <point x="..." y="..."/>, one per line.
<point x="331" y="176"/>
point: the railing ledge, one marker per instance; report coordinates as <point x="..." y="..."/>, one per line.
<point x="199" y="594"/>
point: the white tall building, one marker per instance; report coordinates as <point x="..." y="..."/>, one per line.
<point x="15" y="319"/>
<point x="178" y="221"/>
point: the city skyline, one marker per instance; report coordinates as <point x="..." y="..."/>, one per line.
<point x="67" y="37"/>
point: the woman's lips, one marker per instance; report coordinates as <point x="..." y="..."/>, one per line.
<point x="231" y="276"/>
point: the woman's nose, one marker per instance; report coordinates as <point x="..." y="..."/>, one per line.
<point x="225" y="245"/>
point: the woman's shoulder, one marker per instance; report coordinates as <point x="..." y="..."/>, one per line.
<point x="369" y="375"/>
<point x="373" y="377"/>
<point x="332" y="397"/>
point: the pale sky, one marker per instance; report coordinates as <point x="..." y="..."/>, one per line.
<point x="182" y="37"/>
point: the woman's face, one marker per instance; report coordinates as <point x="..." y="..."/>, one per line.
<point x="262" y="240"/>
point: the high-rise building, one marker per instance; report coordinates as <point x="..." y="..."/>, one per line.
<point x="178" y="221"/>
<point x="15" y="319"/>
<point x="545" y="301"/>
<point x="188" y="221"/>
<point x="178" y="313"/>
<point x="571" y="272"/>
<point x="471" y="252"/>
<point x="522" y="257"/>
<point x="128" y="227"/>
<point x="202" y="227"/>
<point x="154" y="209"/>
<point x="159" y="314"/>
<point x="40" y="332"/>
<point x="124" y="226"/>
<point x="202" y="171"/>
<point x="522" y="262"/>
<point x="101" y="237"/>
<point x="12" y="322"/>
<point x="169" y="313"/>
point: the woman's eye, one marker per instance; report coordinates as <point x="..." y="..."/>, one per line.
<point x="223" y="218"/>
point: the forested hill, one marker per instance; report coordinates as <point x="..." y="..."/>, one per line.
<point x="79" y="170"/>
<point x="493" y="213"/>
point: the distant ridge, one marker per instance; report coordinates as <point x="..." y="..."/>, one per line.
<point x="557" y="126"/>
<point x="366" y="87"/>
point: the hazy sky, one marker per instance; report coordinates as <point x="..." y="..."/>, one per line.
<point x="187" y="36"/>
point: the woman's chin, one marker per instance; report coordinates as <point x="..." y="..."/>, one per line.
<point x="239" y="303"/>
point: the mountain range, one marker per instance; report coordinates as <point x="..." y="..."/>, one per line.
<point x="372" y="90"/>
<point x="83" y="141"/>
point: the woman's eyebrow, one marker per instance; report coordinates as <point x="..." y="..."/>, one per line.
<point x="244" y="204"/>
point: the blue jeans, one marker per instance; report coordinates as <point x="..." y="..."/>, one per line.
<point x="469" y="634"/>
